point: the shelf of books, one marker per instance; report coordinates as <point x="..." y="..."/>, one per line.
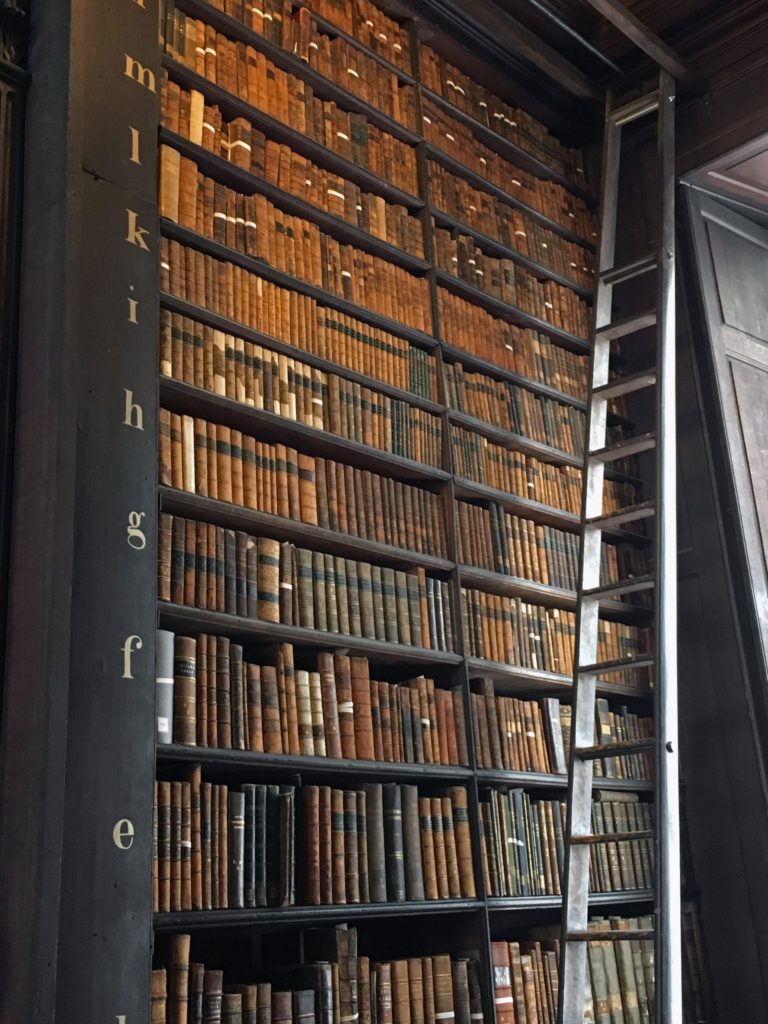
<point x="375" y="294"/>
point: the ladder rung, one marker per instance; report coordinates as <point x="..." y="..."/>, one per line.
<point x="622" y="449"/>
<point x="626" y="271"/>
<point x="629" y="586"/>
<point x="636" y="108"/>
<point x="610" y="837"/>
<point x="626" y="385"/>
<point x="601" y="750"/>
<point x="619" y="935"/>
<point x="619" y="665"/>
<point x="630" y="514"/>
<point x="627" y="325"/>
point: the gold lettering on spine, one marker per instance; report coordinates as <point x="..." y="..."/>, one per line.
<point x="132" y="642"/>
<point x="136" y="235"/>
<point x="123" y="833"/>
<point x="134" y="145"/>
<point x="135" y="534"/>
<point x="143" y="76"/>
<point x="134" y="414"/>
<point x="133" y="309"/>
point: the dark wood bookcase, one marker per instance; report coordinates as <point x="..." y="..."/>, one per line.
<point x="76" y="843"/>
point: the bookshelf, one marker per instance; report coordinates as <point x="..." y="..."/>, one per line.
<point x="537" y="355"/>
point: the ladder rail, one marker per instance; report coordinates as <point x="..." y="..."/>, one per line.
<point x="668" y="957"/>
<point x="579" y="833"/>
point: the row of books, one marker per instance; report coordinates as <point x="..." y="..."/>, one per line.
<point x="280" y="313"/>
<point x="535" y="736"/>
<point x="186" y="113"/>
<point x="512" y="631"/>
<point x="344" y="63"/>
<point x="476" y="458"/>
<point x="514" y="408"/>
<point x="524" y="854"/>
<point x="208" y="567"/>
<point x="491" y="538"/>
<point x="512" y="226"/>
<point x="247" y="74"/>
<point x="218" y="462"/>
<point x="224" y="364"/>
<point x="217" y="847"/>
<point x="455" y="139"/>
<point x="350" y="987"/>
<point x="370" y="26"/>
<point x="525" y="352"/>
<point x="621" y="977"/>
<point x="209" y="695"/>
<point x="515" y="124"/>
<point x="504" y="279"/>
<point x="252" y="225"/>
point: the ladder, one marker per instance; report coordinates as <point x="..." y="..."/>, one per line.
<point x="662" y="659"/>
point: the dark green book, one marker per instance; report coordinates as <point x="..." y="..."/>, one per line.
<point x="393" y="839"/>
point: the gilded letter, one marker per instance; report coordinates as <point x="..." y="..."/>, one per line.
<point x="134" y="145"/>
<point x="128" y="654"/>
<point x="122" y="834"/>
<point x="136" y="234"/>
<point x="136" y="538"/>
<point x="134" y="415"/>
<point x="136" y="70"/>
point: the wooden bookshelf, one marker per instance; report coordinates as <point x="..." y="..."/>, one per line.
<point x="470" y="919"/>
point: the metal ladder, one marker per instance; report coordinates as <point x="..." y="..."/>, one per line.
<point x="662" y="659"/>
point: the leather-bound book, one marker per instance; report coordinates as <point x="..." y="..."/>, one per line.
<point x="415" y="990"/>
<point x="475" y="992"/>
<point x="222" y="837"/>
<point x="355" y="598"/>
<point x="320" y="603"/>
<point x="428" y="985"/>
<point x="312" y="843"/>
<point x="346" y="956"/>
<point x="461" y="731"/>
<point x="401" y="1000"/>
<point x="260" y="846"/>
<point x="164" y="557"/>
<point x="385" y="716"/>
<point x="362" y="845"/>
<point x="249" y="845"/>
<point x="363" y="990"/>
<point x="441" y="865"/>
<point x="331" y="594"/>
<point x="237" y="696"/>
<point x="462" y="833"/>
<point x="304" y="1007"/>
<point x="316" y="714"/>
<point x="268" y="562"/>
<point x="346" y="708"/>
<point x="429" y="868"/>
<point x="393" y="834"/>
<point x="342" y="594"/>
<point x="414" y="874"/>
<point x="186" y="846"/>
<point x="178" y="979"/>
<point x="384" y="1014"/>
<point x="250" y="1006"/>
<point x="304" y="711"/>
<point x="449" y="841"/>
<point x="493" y="723"/>
<point x="164" y="844"/>
<point x="338" y="860"/>
<point x="351" y="849"/>
<point x="442" y="981"/>
<point x="363" y="576"/>
<point x="253" y="708"/>
<point x="159" y="998"/>
<point x="361" y="698"/>
<point x="305" y="592"/>
<point x="325" y="839"/>
<point x="232" y="1008"/>
<point x="325" y="665"/>
<point x="213" y="996"/>
<point x="377" y="861"/>
<point x="271" y="725"/>
<point x="272" y="845"/>
<point x="223" y="693"/>
<point x="236" y="843"/>
<point x="287" y="864"/>
<point x="176" y="846"/>
<point x="164" y="686"/>
<point x="461" y="1005"/>
<point x="287" y="684"/>
<point x="185" y="690"/>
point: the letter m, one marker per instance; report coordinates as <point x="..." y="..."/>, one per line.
<point x="136" y="70"/>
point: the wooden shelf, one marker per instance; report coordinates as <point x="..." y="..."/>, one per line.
<point x="254" y="763"/>
<point x="194" y="920"/>
<point x="509" y="904"/>
<point x="322" y="87"/>
<point x="315" y="151"/>
<point x="482" y="184"/>
<point x="222" y="323"/>
<point x="473" y="491"/>
<point x="539" y="780"/>
<point x="507" y="149"/>
<point x="182" y="619"/>
<point x="243" y="181"/>
<point x="269" y="426"/>
<point x="504" y="311"/>
<point x="497" y="249"/>
<point x="279" y="277"/>
<point x="235" y="517"/>
<point x="512" y="680"/>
